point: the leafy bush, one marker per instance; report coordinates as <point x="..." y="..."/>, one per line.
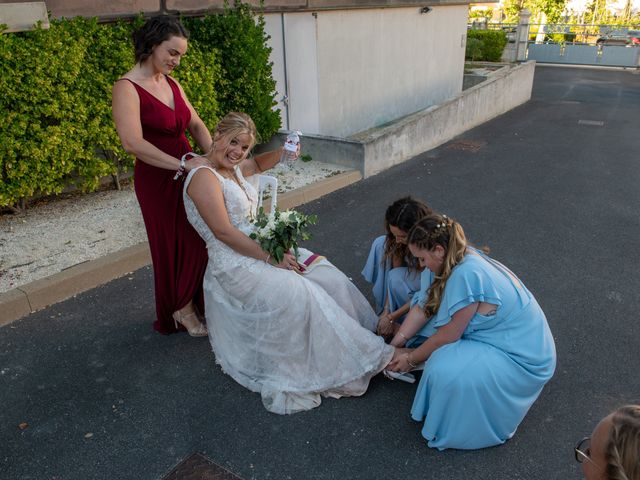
<point x="106" y="50"/>
<point x="489" y="43"/>
<point x="473" y="50"/>
<point x="560" y="37"/>
<point x="198" y="74"/>
<point x="44" y="124"/>
<point x="245" y="83"/>
<point x="57" y="127"/>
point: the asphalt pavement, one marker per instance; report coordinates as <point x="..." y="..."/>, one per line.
<point x="89" y="391"/>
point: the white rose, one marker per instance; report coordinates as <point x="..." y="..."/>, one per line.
<point x="271" y="225"/>
<point x="288" y="216"/>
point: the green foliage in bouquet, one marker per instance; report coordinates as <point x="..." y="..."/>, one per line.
<point x="280" y="233"/>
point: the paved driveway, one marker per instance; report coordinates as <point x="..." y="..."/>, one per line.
<point x="551" y="187"/>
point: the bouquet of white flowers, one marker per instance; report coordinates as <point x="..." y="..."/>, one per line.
<point x="280" y="232"/>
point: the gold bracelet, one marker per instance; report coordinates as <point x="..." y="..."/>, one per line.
<point x="411" y="364"/>
<point x="403" y="336"/>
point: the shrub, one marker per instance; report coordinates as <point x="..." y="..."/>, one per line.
<point x="560" y="37"/>
<point x="198" y="73"/>
<point x="107" y="50"/>
<point x="473" y="50"/>
<point x="57" y="128"/>
<point x="245" y="82"/>
<point x="44" y="125"/>
<point x="491" y="46"/>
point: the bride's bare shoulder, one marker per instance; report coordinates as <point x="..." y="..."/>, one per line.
<point x="203" y="180"/>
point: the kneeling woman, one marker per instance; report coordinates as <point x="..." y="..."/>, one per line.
<point x="390" y="268"/>
<point x="288" y="335"/>
<point x="492" y="350"/>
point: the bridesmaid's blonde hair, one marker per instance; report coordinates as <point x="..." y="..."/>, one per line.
<point x="623" y="446"/>
<point x="440" y="230"/>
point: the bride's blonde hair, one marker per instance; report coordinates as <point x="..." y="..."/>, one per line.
<point x="231" y="126"/>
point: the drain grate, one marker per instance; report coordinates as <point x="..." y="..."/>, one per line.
<point x="199" y="467"/>
<point x="467" y="145"/>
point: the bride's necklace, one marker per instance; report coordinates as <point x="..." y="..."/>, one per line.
<point x="231" y="175"/>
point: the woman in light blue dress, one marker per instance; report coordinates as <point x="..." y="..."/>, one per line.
<point x="390" y="268"/>
<point x="488" y="347"/>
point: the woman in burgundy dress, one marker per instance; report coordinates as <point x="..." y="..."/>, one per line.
<point x="151" y="113"/>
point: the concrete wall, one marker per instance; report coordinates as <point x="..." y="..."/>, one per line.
<point x="377" y="149"/>
<point x="350" y="70"/>
<point x="377" y="65"/>
<point x="503" y="90"/>
<point x="295" y="69"/>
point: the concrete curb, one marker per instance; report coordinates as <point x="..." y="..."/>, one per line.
<point x="34" y="296"/>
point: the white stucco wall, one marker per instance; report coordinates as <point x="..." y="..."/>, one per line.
<point x="350" y="70"/>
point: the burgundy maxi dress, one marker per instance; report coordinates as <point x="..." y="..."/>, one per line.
<point x="178" y="253"/>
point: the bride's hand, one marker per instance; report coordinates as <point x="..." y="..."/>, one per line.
<point x="289" y="262"/>
<point x="196" y="162"/>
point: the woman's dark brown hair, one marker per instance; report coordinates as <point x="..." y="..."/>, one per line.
<point x="402" y="214"/>
<point x="155" y="31"/>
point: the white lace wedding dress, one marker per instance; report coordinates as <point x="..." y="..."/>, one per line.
<point x="290" y="337"/>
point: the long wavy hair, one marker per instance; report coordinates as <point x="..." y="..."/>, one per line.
<point x="402" y="214"/>
<point x="155" y="31"/>
<point x="436" y="229"/>
<point x="622" y="450"/>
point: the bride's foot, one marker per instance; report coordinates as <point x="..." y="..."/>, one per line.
<point x="191" y="322"/>
<point x="399" y="361"/>
<point x="397" y="353"/>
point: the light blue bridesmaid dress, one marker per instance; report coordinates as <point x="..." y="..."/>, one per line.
<point x="420" y="299"/>
<point x="398" y="283"/>
<point x="475" y="392"/>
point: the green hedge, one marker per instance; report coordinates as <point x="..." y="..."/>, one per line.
<point x="485" y="45"/>
<point x="56" y="84"/>
<point x="245" y="83"/>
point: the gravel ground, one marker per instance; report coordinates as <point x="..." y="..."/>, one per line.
<point x="57" y="234"/>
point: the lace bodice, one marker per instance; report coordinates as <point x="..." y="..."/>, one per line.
<point x="240" y="202"/>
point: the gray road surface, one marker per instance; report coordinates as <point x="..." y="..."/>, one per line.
<point x="556" y="196"/>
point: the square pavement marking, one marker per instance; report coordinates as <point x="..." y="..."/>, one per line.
<point x="198" y="467"/>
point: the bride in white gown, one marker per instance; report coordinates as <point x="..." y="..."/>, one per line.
<point x="291" y="336"/>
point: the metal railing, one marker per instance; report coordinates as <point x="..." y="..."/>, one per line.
<point x="574" y="34"/>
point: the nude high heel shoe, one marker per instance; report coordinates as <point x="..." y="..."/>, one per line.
<point x="191" y="322"/>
